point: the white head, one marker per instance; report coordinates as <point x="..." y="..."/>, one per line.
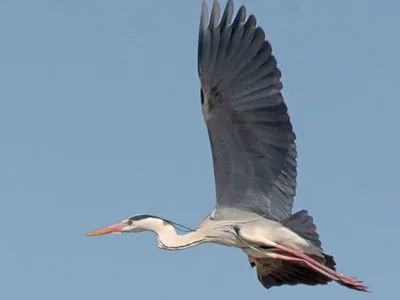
<point x="132" y="224"/>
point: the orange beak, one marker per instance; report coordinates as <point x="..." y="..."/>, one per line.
<point x="107" y="230"/>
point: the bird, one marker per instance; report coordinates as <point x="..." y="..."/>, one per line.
<point x="254" y="156"/>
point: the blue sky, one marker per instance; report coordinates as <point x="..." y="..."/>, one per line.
<point x="100" y="119"/>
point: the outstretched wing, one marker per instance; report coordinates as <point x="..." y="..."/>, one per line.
<point x="251" y="136"/>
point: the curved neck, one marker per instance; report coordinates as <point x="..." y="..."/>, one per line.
<point x="168" y="239"/>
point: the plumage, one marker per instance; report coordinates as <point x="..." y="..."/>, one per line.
<point x="254" y="154"/>
<point x="276" y="272"/>
<point x="251" y="136"/>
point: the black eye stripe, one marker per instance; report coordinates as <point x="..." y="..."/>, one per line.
<point x="140" y="217"/>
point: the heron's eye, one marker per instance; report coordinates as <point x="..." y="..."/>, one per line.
<point x="130" y="222"/>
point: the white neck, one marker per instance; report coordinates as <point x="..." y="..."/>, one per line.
<point x="167" y="237"/>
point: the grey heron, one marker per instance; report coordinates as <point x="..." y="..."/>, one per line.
<point x="254" y="157"/>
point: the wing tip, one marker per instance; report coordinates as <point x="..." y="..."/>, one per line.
<point x="203" y="16"/>
<point x="215" y="14"/>
<point x="214" y="20"/>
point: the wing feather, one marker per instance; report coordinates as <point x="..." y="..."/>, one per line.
<point x="251" y="136"/>
<point x="275" y="272"/>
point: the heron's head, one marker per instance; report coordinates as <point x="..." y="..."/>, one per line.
<point x="132" y="224"/>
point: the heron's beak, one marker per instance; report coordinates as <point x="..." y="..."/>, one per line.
<point x="116" y="228"/>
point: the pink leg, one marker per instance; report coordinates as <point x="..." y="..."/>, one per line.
<point x="335" y="278"/>
<point x="343" y="279"/>
<point x="289" y="258"/>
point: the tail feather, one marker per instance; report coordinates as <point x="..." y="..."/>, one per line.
<point x="277" y="272"/>
<point x="303" y="224"/>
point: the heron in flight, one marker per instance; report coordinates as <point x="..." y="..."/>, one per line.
<point x="254" y="157"/>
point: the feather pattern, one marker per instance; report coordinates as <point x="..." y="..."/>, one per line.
<point x="251" y="136"/>
<point x="275" y="272"/>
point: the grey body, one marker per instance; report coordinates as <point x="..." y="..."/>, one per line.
<point x="242" y="229"/>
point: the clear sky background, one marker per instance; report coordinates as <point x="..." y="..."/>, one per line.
<point x="100" y="119"/>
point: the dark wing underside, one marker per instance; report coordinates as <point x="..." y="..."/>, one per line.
<point x="275" y="272"/>
<point x="251" y="136"/>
